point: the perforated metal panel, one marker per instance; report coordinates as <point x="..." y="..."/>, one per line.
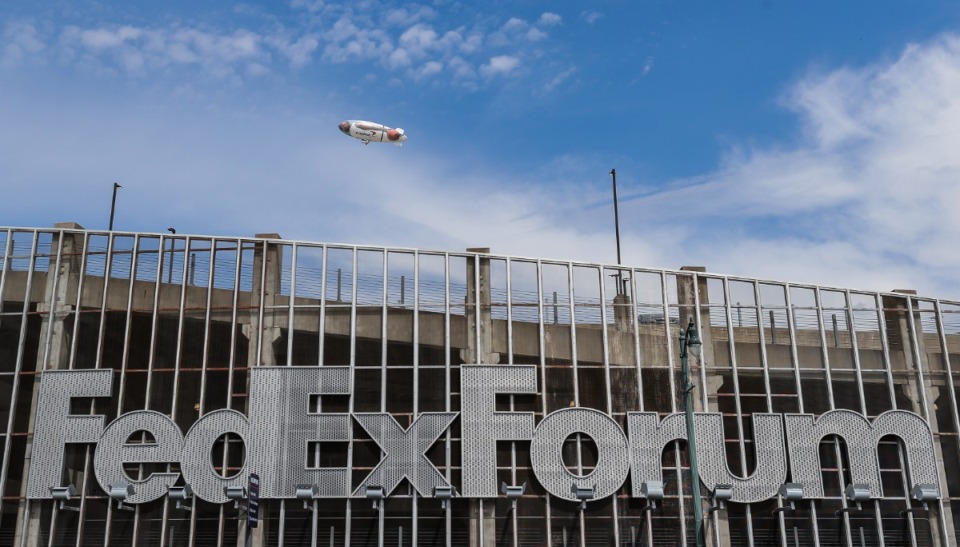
<point x="804" y="434"/>
<point x="404" y="451"/>
<point x="546" y="454"/>
<point x="648" y="437"/>
<point x="771" y="458"/>
<point x="483" y="426"/>
<point x="55" y="426"/>
<point x="113" y="451"/>
<point x="282" y="427"/>
<point x="196" y="461"/>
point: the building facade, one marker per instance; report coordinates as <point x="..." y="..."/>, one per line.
<point x="383" y="396"/>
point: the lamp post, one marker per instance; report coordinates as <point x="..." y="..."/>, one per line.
<point x="173" y="231"/>
<point x="616" y="226"/>
<point x="113" y="203"/>
<point x="690" y="343"/>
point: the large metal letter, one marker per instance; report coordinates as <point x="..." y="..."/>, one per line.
<point x="114" y="451"/>
<point x="404" y="451"/>
<point x="483" y="426"/>
<point x="282" y="427"/>
<point x="196" y="462"/>
<point x="648" y="436"/>
<point x="55" y="426"/>
<point x="546" y="452"/>
<point x="771" y="458"/>
<point x="804" y="436"/>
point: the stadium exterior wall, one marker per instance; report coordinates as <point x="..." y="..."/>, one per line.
<point x="165" y="360"/>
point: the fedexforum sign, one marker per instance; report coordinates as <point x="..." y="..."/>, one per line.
<point x="280" y="428"/>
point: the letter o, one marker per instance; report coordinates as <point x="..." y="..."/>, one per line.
<point x="546" y="453"/>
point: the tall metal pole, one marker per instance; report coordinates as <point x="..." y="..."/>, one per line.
<point x="616" y="213"/>
<point x="616" y="225"/>
<point x="113" y="204"/>
<point x="172" y="231"/>
<point x="687" y="336"/>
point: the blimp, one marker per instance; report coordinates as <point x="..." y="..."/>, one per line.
<point x="372" y="132"/>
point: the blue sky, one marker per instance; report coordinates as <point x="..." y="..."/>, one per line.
<point x="813" y="142"/>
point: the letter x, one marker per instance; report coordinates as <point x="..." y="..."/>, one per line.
<point x="404" y="451"/>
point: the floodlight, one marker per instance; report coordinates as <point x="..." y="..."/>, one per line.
<point x="307" y="492"/>
<point x="443" y="493"/>
<point x="857" y="493"/>
<point x="120" y="491"/>
<point x="181" y="494"/>
<point x="63" y="494"/>
<point x="653" y="491"/>
<point x="513" y="492"/>
<point x="721" y="493"/>
<point x="375" y="493"/>
<point x="583" y="493"/>
<point x="924" y="493"/>
<point x="791" y="493"/>
<point x="235" y="493"/>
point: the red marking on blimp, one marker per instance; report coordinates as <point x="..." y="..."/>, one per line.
<point x="372" y="132"/>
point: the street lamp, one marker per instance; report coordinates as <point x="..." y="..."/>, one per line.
<point x="113" y="203"/>
<point x="616" y="224"/>
<point x="173" y="231"/>
<point x="690" y="343"/>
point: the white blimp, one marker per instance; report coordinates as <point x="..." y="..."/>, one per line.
<point x="372" y="132"/>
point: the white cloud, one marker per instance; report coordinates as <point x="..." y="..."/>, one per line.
<point x="514" y="24"/>
<point x="549" y="19"/>
<point x="874" y="180"/>
<point x="429" y="68"/>
<point x="500" y="64"/>
<point x="591" y="17"/>
<point x="20" y="39"/>
<point x="559" y="79"/>
<point x="419" y="38"/>
<point x="535" y="35"/>
<point x="647" y="66"/>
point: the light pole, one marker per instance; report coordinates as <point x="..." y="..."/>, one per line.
<point x="616" y="225"/>
<point x="172" y="231"/>
<point x="113" y="204"/>
<point x="690" y="340"/>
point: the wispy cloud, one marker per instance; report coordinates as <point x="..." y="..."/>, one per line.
<point x="500" y="64"/>
<point x="411" y="42"/>
<point x="20" y="41"/>
<point x="873" y="180"/>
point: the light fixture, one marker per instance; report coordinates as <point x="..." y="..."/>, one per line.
<point x="235" y="493"/>
<point x="583" y="493"/>
<point x="513" y="493"/>
<point x="120" y="491"/>
<point x="857" y="493"/>
<point x="307" y="492"/>
<point x="721" y="493"/>
<point x="694" y="344"/>
<point x="791" y="492"/>
<point x="653" y="491"/>
<point x="444" y="493"/>
<point x="181" y="494"/>
<point x="63" y="494"/>
<point x="375" y="493"/>
<point x="924" y="493"/>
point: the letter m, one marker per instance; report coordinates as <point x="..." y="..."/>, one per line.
<point x="804" y="435"/>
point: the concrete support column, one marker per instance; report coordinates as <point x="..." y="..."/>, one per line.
<point x="898" y="328"/>
<point x="267" y="265"/>
<point x="483" y="531"/>
<point x="59" y="291"/>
